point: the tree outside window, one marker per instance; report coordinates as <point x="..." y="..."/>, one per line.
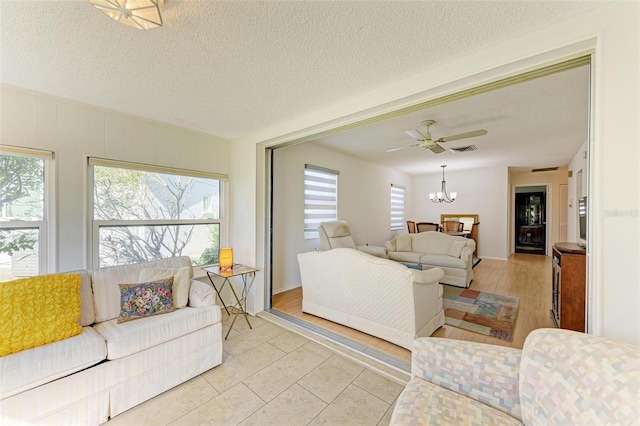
<point x="142" y="216"/>
<point x="22" y="218"/>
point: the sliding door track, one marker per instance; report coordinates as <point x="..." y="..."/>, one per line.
<point x="382" y="362"/>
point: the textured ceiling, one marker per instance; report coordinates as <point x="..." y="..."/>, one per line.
<point x="540" y="123"/>
<point x="233" y="68"/>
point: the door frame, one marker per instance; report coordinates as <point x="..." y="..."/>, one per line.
<point x="549" y="217"/>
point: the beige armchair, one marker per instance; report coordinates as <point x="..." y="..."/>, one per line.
<point x="337" y="234"/>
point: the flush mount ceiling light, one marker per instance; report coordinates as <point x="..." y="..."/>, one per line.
<point x="442" y="196"/>
<point x="141" y="14"/>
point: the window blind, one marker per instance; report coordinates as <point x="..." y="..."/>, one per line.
<point x="320" y="198"/>
<point x="397" y="207"/>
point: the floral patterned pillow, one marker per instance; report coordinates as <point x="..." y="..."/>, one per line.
<point x="145" y="299"/>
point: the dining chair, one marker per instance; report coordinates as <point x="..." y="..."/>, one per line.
<point x="473" y="234"/>
<point x="453" y="226"/>
<point x="426" y="226"/>
<point x="412" y="226"/>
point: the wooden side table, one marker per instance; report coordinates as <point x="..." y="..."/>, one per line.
<point x="239" y="307"/>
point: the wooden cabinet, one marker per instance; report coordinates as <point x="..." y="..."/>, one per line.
<point x="568" y="297"/>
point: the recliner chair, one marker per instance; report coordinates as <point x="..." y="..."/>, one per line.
<point x="337" y="234"/>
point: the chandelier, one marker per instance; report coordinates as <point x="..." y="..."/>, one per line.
<point x="141" y="14"/>
<point x="442" y="196"/>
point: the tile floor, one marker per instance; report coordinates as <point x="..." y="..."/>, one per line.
<point x="272" y="376"/>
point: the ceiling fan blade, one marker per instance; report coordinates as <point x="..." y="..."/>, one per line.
<point x="436" y="149"/>
<point x="463" y="136"/>
<point x="402" y="147"/>
<point x="416" y="135"/>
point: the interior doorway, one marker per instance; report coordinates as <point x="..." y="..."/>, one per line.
<point x="530" y="220"/>
<point x="286" y="213"/>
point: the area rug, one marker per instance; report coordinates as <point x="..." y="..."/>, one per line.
<point x="486" y="313"/>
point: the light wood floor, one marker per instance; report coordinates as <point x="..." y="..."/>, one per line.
<point x="525" y="276"/>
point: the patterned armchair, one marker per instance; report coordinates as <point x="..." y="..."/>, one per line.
<point x="559" y="377"/>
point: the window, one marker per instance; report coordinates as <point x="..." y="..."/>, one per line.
<point x="23" y="218"/>
<point x="320" y="198"/>
<point x="397" y="207"/>
<point x="143" y="213"/>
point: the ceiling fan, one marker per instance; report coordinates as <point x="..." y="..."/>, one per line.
<point x="428" y="143"/>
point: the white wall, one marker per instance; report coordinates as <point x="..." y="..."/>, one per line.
<point x="363" y="201"/>
<point x="613" y="33"/>
<point x="575" y="190"/>
<point x="75" y="131"/>
<point x="551" y="179"/>
<point x="483" y="192"/>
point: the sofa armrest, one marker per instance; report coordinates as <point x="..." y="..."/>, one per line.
<point x="428" y="276"/>
<point x="201" y="294"/>
<point x="390" y="245"/>
<point x="374" y="251"/>
<point x="486" y="373"/>
<point x="467" y="253"/>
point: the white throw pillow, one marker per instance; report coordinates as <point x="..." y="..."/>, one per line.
<point x="456" y="248"/>
<point x="403" y="243"/>
<point x="181" y="281"/>
<point x="201" y="294"/>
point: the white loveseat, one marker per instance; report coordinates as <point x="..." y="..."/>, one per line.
<point x="432" y="249"/>
<point x="111" y="367"/>
<point x="373" y="295"/>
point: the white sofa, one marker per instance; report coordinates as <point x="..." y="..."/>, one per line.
<point x="111" y="367"/>
<point x="559" y="377"/>
<point x="373" y="295"/>
<point x="431" y="249"/>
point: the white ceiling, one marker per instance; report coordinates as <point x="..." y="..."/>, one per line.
<point x="232" y="68"/>
<point x="540" y="123"/>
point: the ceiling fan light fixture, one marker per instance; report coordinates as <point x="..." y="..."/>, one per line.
<point x="140" y="14"/>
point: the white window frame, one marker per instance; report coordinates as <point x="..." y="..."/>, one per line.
<point x="97" y="224"/>
<point x="320" y="198"/>
<point x="46" y="240"/>
<point x="396" y="207"/>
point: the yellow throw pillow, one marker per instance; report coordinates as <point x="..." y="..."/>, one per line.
<point x="38" y="310"/>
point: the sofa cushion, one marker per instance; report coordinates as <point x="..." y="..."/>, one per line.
<point x="422" y="402"/>
<point x="432" y="242"/>
<point x="576" y="378"/>
<point x="143" y="300"/>
<point x="403" y="243"/>
<point x="33" y="367"/>
<point x="443" y="260"/>
<point x="181" y="281"/>
<point x="405" y="256"/>
<point x="87" y="311"/>
<point x="456" y="248"/>
<point x="106" y="292"/>
<point x="135" y="336"/>
<point x="38" y="310"/>
<point x="342" y="242"/>
<point x="201" y="294"/>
